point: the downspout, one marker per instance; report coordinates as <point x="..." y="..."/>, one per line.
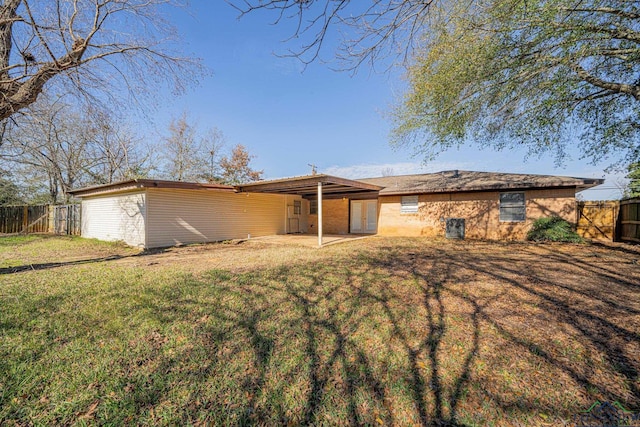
<point x="320" y="214"/>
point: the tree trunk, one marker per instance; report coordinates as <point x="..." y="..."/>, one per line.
<point x="8" y="17"/>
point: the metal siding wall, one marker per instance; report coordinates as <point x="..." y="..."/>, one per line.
<point x="198" y="216"/>
<point x="115" y="217"/>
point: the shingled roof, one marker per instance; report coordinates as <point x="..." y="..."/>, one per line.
<point x="462" y="181"/>
<point x="306" y="186"/>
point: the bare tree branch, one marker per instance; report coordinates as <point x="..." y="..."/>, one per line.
<point x="374" y="30"/>
<point x="612" y="87"/>
<point x="609" y="10"/>
<point x="63" y="40"/>
<point x="64" y="146"/>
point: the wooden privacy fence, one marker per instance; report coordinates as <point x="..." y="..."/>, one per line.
<point x="63" y="219"/>
<point x="610" y="220"/>
<point x="630" y="220"/>
<point x="66" y="219"/>
<point x="24" y="219"/>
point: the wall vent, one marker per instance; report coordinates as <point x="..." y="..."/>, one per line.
<point x="454" y="228"/>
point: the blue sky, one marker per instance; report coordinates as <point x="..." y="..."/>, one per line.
<point x="289" y="116"/>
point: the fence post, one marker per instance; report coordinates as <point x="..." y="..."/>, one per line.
<point x="51" y="219"/>
<point x="617" y="229"/>
<point x="25" y="219"/>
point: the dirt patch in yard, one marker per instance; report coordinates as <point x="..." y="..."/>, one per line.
<point x="234" y="256"/>
<point x="45" y="251"/>
<point x="247" y="255"/>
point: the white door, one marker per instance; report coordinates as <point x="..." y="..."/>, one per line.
<point x="356" y="216"/>
<point x="364" y="216"/>
<point x="371" y="217"/>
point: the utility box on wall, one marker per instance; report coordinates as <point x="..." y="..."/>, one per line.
<point x="454" y="228"/>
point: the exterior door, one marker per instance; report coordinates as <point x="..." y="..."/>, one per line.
<point x="364" y="216"/>
<point x="371" y="216"/>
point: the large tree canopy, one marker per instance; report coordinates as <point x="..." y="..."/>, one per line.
<point x="544" y="74"/>
<point x="540" y="74"/>
<point x="93" y="43"/>
<point x="633" y="175"/>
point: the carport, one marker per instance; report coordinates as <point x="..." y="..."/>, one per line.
<point x="318" y="186"/>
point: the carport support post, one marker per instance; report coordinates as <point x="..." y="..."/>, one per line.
<point x="319" y="214"/>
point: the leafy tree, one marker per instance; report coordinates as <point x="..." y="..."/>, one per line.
<point x="633" y="188"/>
<point x="543" y="74"/>
<point x="86" y="47"/>
<point x="236" y="169"/>
<point x="9" y="191"/>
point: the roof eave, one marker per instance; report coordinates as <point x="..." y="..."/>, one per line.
<point x="474" y="189"/>
<point x="590" y="183"/>
<point x="138" y="184"/>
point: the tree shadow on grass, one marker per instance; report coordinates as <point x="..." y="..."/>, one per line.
<point x="608" y="337"/>
<point x="401" y="336"/>
<point x="325" y="318"/>
<point x="630" y="248"/>
<point x="406" y="335"/>
<point x="52" y="265"/>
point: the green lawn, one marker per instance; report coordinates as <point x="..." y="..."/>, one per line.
<point x="378" y="331"/>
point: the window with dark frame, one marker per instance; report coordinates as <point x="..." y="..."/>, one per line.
<point x="512" y="207"/>
<point x="313" y="207"/>
<point x="297" y="207"/>
<point x="409" y="204"/>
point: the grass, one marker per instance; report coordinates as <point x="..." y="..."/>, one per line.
<point x="377" y="332"/>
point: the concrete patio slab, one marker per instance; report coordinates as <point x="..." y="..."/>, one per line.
<point x="311" y="240"/>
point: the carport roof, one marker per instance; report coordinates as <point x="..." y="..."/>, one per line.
<point x="308" y="186"/>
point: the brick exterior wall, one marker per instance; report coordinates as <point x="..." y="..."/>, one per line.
<point x="481" y="211"/>
<point x="335" y="217"/>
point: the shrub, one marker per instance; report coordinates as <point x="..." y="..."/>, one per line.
<point x="553" y="229"/>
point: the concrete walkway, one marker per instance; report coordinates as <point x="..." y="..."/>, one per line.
<point x="311" y="240"/>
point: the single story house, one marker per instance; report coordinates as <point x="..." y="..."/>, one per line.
<point x="483" y="205"/>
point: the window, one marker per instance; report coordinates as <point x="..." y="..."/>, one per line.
<point x="313" y="207"/>
<point x="512" y="207"/>
<point x="409" y="204"/>
<point x="297" y="207"/>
